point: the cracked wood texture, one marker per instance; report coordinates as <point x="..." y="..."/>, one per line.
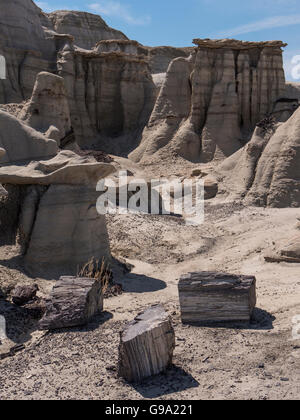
<point x="146" y="345"/>
<point x="207" y="297"/>
<point x="73" y="302"/>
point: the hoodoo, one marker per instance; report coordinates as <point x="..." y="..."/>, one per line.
<point x="211" y="101"/>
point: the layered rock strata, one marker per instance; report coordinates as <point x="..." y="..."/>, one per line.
<point x="210" y="102"/>
<point x="59" y="227"/>
<point x="111" y="96"/>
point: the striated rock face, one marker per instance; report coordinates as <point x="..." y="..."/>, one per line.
<point x="86" y="28"/>
<point x="210" y="102"/>
<point x="158" y="58"/>
<point x="111" y="96"/>
<point x="266" y="171"/>
<point x="26" y="46"/>
<point x="48" y="107"/>
<point x="161" y="57"/>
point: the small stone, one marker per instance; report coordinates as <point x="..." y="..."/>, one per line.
<point x="24" y="294"/>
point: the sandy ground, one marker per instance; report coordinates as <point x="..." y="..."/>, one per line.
<point x="256" y="361"/>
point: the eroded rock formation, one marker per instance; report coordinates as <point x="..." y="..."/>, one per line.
<point x="59" y="227"/>
<point x="210" y="102"/>
<point x="111" y="96"/>
<point x="48" y="109"/>
<point x="22" y="143"/>
<point x="27" y="47"/>
<point x="266" y="172"/>
<point x="86" y="28"/>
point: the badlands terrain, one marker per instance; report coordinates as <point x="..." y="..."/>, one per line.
<point x="81" y="102"/>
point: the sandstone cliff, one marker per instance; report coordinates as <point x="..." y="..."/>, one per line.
<point x="210" y="102"/>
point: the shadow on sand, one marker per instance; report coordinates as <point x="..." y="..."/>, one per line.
<point x="260" y="320"/>
<point x="174" y="380"/>
<point x="92" y="325"/>
<point x="138" y="283"/>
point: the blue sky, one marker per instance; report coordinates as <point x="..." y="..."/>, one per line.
<point x="177" y="22"/>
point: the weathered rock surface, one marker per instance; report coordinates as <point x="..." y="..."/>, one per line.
<point x="213" y="99"/>
<point x="207" y="297"/>
<point x="292" y="90"/>
<point x="266" y="171"/>
<point x="66" y="168"/>
<point x="48" y="107"/>
<point x="284" y="108"/>
<point x="22" y="143"/>
<point x="161" y="57"/>
<point x="24" y="294"/>
<point x="146" y="345"/>
<point x="158" y="58"/>
<point x="111" y="96"/>
<point x="86" y="28"/>
<point x="67" y="231"/>
<point x="73" y="302"/>
<point x="59" y="227"/>
<point x="26" y="46"/>
<point x="31" y="39"/>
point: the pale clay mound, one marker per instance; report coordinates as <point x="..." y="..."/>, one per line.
<point x="220" y="111"/>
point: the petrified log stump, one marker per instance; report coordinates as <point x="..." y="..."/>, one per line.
<point x="147" y="345"/>
<point x="73" y="302"/>
<point x="207" y="297"/>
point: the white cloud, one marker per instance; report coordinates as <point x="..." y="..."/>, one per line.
<point x="268" y="23"/>
<point x="46" y="7"/>
<point x="113" y="8"/>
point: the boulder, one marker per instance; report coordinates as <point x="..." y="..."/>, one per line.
<point x="24" y="294"/>
<point x="146" y="345"/>
<point x="73" y="302"/>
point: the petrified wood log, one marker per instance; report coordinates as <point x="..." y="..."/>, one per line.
<point x="207" y="297"/>
<point x="146" y="345"/>
<point x="73" y="302"/>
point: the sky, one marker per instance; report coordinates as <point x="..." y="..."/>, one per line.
<point x="178" y="22"/>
